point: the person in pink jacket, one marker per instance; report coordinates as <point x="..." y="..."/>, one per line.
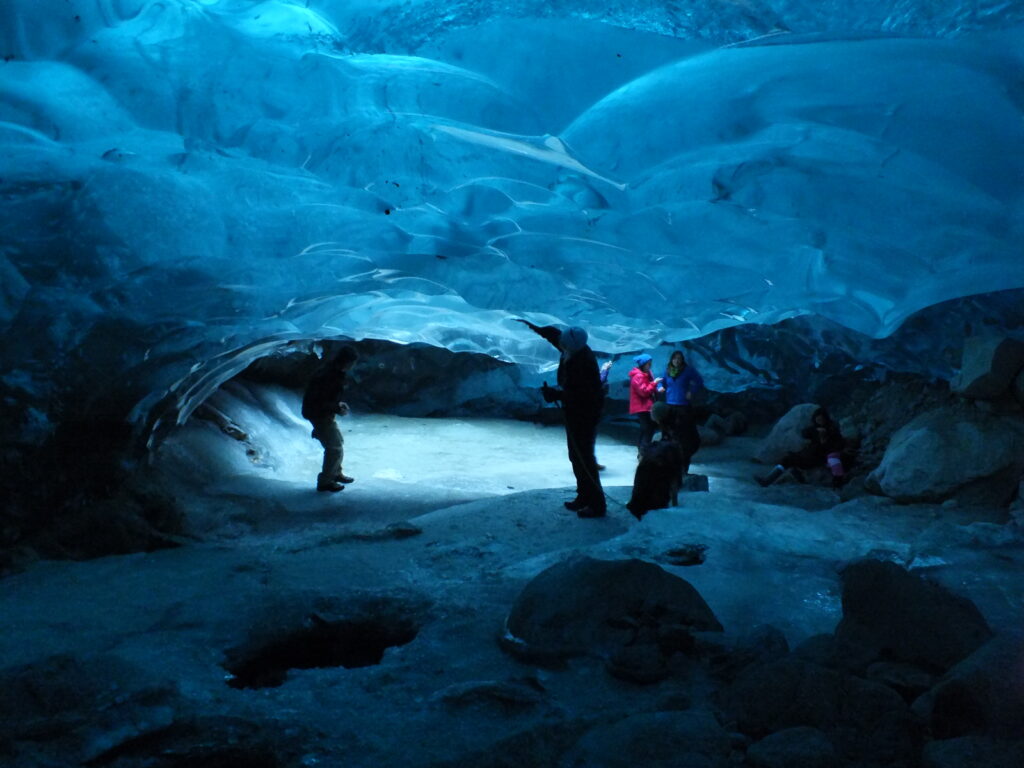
<point x="642" y="387"/>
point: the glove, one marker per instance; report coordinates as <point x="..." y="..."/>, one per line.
<point x="550" y="394"/>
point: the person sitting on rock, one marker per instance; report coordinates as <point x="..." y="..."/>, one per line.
<point x="823" y="449"/>
<point x="320" y="404"/>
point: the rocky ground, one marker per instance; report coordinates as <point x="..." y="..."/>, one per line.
<point x="216" y="652"/>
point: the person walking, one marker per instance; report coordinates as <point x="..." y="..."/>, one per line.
<point x="321" y="402"/>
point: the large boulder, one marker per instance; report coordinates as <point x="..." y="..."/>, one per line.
<point x="587" y="606"/>
<point x="801" y="747"/>
<point x="656" y="740"/>
<point x="785" y="436"/>
<point x="862" y="719"/>
<point x="984" y="692"/>
<point x="897" y="615"/>
<point x="973" y="751"/>
<point x="989" y="365"/>
<point x="964" y="453"/>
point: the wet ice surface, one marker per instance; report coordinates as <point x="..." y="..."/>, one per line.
<point x="487" y="496"/>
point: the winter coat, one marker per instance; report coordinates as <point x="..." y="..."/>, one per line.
<point x="678" y="387"/>
<point x="323" y="393"/>
<point x="641" y="391"/>
<point x="579" y="385"/>
<point x="826" y="442"/>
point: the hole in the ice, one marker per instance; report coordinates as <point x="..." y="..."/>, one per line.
<point x="347" y="643"/>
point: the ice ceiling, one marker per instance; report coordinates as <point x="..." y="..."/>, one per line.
<point x="188" y="184"/>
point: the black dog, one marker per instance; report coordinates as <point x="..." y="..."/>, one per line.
<point x="660" y="473"/>
<point x="658" y="478"/>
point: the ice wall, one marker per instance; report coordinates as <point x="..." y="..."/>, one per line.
<point x="187" y="184"/>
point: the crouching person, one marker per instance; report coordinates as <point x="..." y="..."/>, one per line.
<point x="824" y="448"/>
<point x="320" y="404"/>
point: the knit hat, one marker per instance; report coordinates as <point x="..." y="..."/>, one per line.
<point x="573" y="340"/>
<point x="641" y="360"/>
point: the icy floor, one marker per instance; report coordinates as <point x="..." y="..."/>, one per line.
<point x="487" y="496"/>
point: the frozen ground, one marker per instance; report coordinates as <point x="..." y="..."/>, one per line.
<point x="486" y="497"/>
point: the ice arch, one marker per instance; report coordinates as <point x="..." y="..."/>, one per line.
<point x="188" y="184"/>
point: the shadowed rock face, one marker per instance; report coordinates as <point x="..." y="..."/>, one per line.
<point x="902" y="616"/>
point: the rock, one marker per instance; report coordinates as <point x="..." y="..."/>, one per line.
<point x="727" y="656"/>
<point x="902" y="616"/>
<point x="834" y="653"/>
<point x="717" y="423"/>
<point x="793" y="748"/>
<point x="907" y="680"/>
<point x="973" y="751"/>
<point x="785" y="436"/>
<point x="982" y="692"/>
<point x="588" y="606"/>
<point x="1017" y="388"/>
<point x="735" y="423"/>
<point x="686" y="554"/>
<point x="695" y="484"/>
<point x="709" y="436"/>
<point x="641" y="664"/>
<point x="691" y="738"/>
<point x="81" y="709"/>
<point x="989" y="365"/>
<point x="863" y="720"/>
<point x="509" y="695"/>
<point x="979" y="458"/>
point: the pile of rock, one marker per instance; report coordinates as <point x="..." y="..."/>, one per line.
<point x="912" y="675"/>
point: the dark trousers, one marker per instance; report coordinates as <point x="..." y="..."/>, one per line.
<point x="647" y="430"/>
<point x="580" y="436"/>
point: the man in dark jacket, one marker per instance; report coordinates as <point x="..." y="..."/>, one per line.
<point x="320" y="404"/>
<point x="582" y="396"/>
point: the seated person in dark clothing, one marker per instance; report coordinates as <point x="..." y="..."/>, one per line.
<point x="824" y="448"/>
<point x="320" y="404"/>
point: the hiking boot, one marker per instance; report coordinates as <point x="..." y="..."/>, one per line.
<point x="587" y="512"/>
<point x="332" y="487"/>
<point x="771" y="477"/>
<point x="575" y="505"/>
<point x="343" y="478"/>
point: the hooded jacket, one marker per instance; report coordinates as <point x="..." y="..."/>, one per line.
<point x="641" y="391"/>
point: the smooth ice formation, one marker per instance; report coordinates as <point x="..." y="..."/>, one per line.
<point x="189" y="184"/>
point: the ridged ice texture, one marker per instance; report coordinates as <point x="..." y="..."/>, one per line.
<point x="187" y="184"/>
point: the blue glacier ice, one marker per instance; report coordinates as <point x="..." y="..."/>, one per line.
<point x="188" y="185"/>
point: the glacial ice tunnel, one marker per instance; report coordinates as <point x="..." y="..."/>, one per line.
<point x="189" y="184"/>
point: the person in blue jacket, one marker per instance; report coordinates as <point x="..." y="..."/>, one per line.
<point x="680" y="382"/>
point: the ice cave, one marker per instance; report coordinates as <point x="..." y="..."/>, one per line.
<point x="341" y="419"/>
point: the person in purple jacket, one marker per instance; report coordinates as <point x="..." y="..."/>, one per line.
<point x="680" y="382"/>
